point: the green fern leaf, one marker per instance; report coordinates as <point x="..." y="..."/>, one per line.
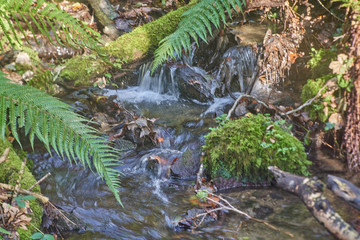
<point x="55" y="124"/>
<point x="196" y="23"/>
<point x="47" y="18"/>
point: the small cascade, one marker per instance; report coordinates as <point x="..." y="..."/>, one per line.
<point x="161" y="82"/>
<point x="239" y="63"/>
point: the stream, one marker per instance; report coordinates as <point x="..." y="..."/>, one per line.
<point x="153" y="200"/>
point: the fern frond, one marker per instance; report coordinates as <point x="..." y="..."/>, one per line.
<point x="195" y="24"/>
<point x="49" y="20"/>
<point x="56" y="125"/>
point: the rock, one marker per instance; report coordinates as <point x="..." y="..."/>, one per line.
<point x="28" y="75"/>
<point x="10" y="67"/>
<point x="261" y="212"/>
<point x="192" y="221"/>
<point x="23" y="59"/>
<point x="194" y="84"/>
<point x="187" y="165"/>
<point x="123" y="25"/>
<point x="124" y="145"/>
<point x="241" y="109"/>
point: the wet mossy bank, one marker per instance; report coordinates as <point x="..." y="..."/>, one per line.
<point x="9" y="174"/>
<point x="126" y="49"/>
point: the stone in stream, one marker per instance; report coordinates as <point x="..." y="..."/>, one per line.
<point x="194" y="83"/>
<point x="187" y="165"/>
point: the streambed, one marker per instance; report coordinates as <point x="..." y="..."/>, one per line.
<point x="153" y="201"/>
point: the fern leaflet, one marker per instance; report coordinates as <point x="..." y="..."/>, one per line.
<point x="195" y="24"/>
<point x="56" y="125"/>
<point x="46" y="18"/>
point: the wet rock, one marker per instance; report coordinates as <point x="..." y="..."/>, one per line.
<point x="187" y="165"/>
<point x="124" y="145"/>
<point x="194" y="84"/>
<point x="190" y="220"/>
<point x="241" y="109"/>
<point x="123" y="25"/>
<point x="262" y="211"/>
<point x="58" y="221"/>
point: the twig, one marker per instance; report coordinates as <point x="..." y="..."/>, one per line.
<point x="199" y="174"/>
<point x="330" y="11"/>
<point x="198" y="215"/>
<point x="5" y="155"/>
<point x="307" y="103"/>
<point x="18" y="182"/>
<point x="38" y="182"/>
<point x="40" y="197"/>
<point x="232" y="208"/>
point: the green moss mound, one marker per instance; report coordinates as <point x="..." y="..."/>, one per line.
<point x="9" y="174"/>
<point x="244" y="148"/>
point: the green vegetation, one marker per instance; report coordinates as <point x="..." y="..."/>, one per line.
<point x="195" y="24"/>
<point x="327" y="64"/>
<point x="10" y="174"/>
<point x="129" y="47"/>
<point x="320" y="60"/>
<point x="244" y="148"/>
<point x="56" y="125"/>
<point x="46" y="17"/>
<point x="310" y="89"/>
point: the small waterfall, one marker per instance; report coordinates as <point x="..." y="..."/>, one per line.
<point x="239" y="62"/>
<point x="162" y="81"/>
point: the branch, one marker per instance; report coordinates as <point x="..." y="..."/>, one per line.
<point x="310" y="191"/>
<point x="38" y="182"/>
<point x="232" y="208"/>
<point x="345" y="190"/>
<point x="39" y="196"/>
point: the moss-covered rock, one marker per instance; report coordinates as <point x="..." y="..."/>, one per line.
<point x="244" y="148"/>
<point x="127" y="48"/>
<point x="9" y="174"/>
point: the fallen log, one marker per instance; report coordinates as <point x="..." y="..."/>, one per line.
<point x="345" y="190"/>
<point x="310" y="191"/>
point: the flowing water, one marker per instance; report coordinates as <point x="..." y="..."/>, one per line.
<point x="152" y="200"/>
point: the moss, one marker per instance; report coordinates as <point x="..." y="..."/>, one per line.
<point x="127" y="48"/>
<point x="244" y="148"/>
<point x="320" y="61"/>
<point x="80" y="69"/>
<point x="145" y="39"/>
<point x="310" y="89"/>
<point x="9" y="174"/>
<point x="43" y="80"/>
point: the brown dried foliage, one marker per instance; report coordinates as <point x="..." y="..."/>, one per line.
<point x="352" y="131"/>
